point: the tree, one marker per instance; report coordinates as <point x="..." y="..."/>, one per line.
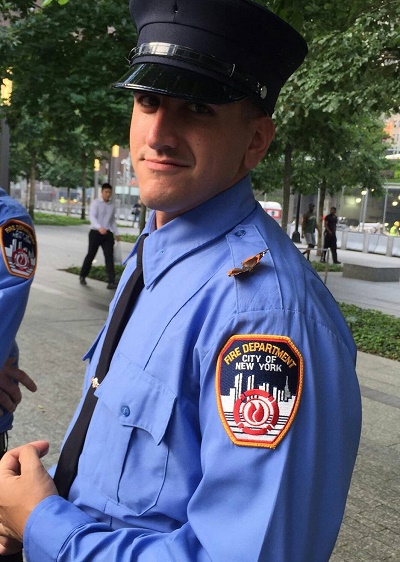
<point x="64" y="57"/>
<point x="352" y="69"/>
<point x="63" y="62"/>
<point x="47" y="2"/>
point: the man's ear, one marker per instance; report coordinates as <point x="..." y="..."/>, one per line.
<point x="263" y="133"/>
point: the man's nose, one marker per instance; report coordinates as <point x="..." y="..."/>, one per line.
<point x="162" y="133"/>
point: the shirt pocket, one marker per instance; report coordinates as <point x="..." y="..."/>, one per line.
<point x="126" y="450"/>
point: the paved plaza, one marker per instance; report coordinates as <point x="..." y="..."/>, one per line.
<point x="63" y="318"/>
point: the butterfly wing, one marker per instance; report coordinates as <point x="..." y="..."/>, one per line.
<point x="235" y="271"/>
<point x="248" y="264"/>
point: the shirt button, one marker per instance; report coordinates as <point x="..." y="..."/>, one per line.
<point x="125" y="411"/>
<point x="240" y="233"/>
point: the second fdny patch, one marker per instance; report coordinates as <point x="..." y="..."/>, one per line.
<point x="19" y="249"/>
<point x="259" y="383"/>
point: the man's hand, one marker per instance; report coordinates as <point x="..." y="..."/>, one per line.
<point x="102" y="230"/>
<point x="118" y="238"/>
<point x="24" y="483"/>
<point x="10" y="393"/>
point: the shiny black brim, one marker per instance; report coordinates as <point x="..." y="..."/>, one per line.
<point x="179" y="83"/>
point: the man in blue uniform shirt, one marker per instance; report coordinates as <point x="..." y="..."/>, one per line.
<point x="228" y="422"/>
<point x="17" y="267"/>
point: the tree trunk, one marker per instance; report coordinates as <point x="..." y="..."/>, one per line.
<point x="322" y="195"/>
<point x="27" y="191"/>
<point x="32" y="182"/>
<point x="84" y="182"/>
<point x="287" y="178"/>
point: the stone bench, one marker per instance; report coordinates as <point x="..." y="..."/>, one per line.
<point x="369" y="273"/>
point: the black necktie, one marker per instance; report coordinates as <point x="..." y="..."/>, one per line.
<point x="68" y="463"/>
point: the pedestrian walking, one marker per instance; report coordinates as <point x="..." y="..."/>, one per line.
<point x="309" y="226"/>
<point x="330" y="240"/>
<point x="103" y="230"/>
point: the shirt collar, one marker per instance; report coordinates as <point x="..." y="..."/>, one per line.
<point x="195" y="228"/>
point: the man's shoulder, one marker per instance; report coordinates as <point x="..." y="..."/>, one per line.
<point x="12" y="209"/>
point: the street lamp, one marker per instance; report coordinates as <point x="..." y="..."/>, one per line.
<point x="363" y="210"/>
<point x="6" y="90"/>
<point x="96" y="168"/>
<point x="113" y="171"/>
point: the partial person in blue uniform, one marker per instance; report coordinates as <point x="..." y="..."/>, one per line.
<point x="228" y="423"/>
<point x="17" y="268"/>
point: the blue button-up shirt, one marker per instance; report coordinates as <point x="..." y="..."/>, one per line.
<point x="17" y="267"/>
<point x="171" y="469"/>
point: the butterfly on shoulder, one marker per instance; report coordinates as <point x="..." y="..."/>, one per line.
<point x="248" y="264"/>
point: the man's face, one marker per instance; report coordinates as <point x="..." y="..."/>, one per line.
<point x="106" y="194"/>
<point x="184" y="152"/>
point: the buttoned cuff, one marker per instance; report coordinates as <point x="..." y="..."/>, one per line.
<point x="49" y="526"/>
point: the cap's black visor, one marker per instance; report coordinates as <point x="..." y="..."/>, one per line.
<point x="178" y="83"/>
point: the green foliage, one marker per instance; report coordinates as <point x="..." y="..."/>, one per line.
<point x="373" y="331"/>
<point x="131" y="238"/>
<point x="63" y="61"/>
<point x="57" y="220"/>
<point x="52" y="219"/>
<point x="64" y="58"/>
<point x="98" y="272"/>
<point x="350" y="76"/>
<point x="47" y="2"/>
<point x="323" y="267"/>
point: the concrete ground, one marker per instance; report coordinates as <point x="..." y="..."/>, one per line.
<point x="62" y="319"/>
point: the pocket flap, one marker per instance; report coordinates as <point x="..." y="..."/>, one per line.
<point x="137" y="398"/>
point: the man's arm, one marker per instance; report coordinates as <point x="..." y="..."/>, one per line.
<point x="114" y="226"/>
<point x="297" y="490"/>
<point x="16" y="274"/>
<point x="93" y="215"/>
<point x="327" y="226"/>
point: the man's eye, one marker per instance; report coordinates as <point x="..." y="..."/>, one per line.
<point x="147" y="100"/>
<point x="199" y="107"/>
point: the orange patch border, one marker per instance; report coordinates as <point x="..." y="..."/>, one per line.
<point x="259" y="337"/>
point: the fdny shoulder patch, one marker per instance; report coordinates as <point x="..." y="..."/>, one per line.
<point x="19" y="249"/>
<point x="259" y="382"/>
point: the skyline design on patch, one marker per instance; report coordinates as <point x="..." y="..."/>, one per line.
<point x="258" y="383"/>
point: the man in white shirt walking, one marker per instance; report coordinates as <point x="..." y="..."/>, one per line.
<point x="103" y="228"/>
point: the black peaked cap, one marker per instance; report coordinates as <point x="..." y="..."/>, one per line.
<point x="212" y="51"/>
